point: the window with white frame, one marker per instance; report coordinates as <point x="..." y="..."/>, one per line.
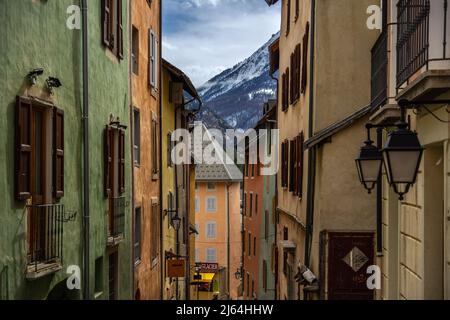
<point x="197" y="205"/>
<point x="211" y="230"/>
<point x="211" y="204"/>
<point x="153" y="61"/>
<point x="211" y="255"/>
<point x="197" y="255"/>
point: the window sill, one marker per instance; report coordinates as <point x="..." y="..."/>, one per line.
<point x="41" y="270"/>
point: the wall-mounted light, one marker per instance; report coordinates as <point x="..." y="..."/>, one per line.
<point x="52" y="83"/>
<point x="34" y="74"/>
<point x="369" y="163"/>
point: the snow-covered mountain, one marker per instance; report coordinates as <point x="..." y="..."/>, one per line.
<point x="237" y="95"/>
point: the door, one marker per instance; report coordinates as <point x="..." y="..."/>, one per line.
<point x="349" y="256"/>
<point x="112" y="276"/>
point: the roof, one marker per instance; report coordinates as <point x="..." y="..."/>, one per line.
<point x="181" y="77"/>
<point x="223" y="171"/>
<point x="331" y="130"/>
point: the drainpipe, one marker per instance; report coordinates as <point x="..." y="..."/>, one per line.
<point x="86" y="226"/>
<point x="312" y="151"/>
<point x="379" y="201"/>
<point x="133" y="171"/>
<point x="228" y="240"/>
<point x="161" y="209"/>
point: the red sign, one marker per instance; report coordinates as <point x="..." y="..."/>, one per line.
<point x="175" y="268"/>
<point x="208" y="267"/>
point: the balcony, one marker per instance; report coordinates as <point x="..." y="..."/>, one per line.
<point x="423" y="48"/>
<point x="379" y="71"/>
<point x="116" y="220"/>
<point x="45" y="239"/>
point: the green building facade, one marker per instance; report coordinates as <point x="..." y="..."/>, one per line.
<point x="41" y="151"/>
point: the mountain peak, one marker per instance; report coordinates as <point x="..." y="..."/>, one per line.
<point x="237" y="94"/>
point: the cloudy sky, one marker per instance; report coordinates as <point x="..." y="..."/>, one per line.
<point x="205" y="37"/>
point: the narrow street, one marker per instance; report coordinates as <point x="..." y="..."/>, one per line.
<point x="212" y="150"/>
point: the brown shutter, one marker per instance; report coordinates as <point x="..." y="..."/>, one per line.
<point x="106" y="26"/>
<point x="292" y="83"/>
<point x="58" y="153"/>
<point x="287" y="88"/>
<point x="122" y="160"/>
<point x="108" y="160"/>
<point x="297" y="9"/>
<point x="119" y="29"/>
<point x="300" y="157"/>
<point x="23" y="139"/>
<point x="288" y="17"/>
<point x="305" y="58"/>
<point x="292" y="163"/>
<point x="298" y="64"/>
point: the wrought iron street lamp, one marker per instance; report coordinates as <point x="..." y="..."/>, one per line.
<point x="402" y="156"/>
<point x="369" y="163"/>
<point x="176" y="221"/>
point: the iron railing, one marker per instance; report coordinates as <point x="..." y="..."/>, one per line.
<point x="45" y="236"/>
<point x="379" y="71"/>
<point x="117" y="217"/>
<point x="413" y="19"/>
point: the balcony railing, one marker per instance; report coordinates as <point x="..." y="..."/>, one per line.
<point x="117" y="217"/>
<point x="413" y="18"/>
<point x="45" y="236"/>
<point x="379" y="71"/>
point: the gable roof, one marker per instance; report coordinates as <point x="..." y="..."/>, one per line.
<point x="223" y="171"/>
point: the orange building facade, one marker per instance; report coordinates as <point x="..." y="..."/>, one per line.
<point x="145" y="69"/>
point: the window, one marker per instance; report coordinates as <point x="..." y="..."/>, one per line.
<point x="137" y="136"/>
<point x="249" y="244"/>
<point x="197" y="255"/>
<point x="211" y="186"/>
<point x="155" y="153"/>
<point x="244" y="205"/>
<point x="285" y="234"/>
<point x="251" y="204"/>
<point x="284" y="164"/>
<point x="154" y="226"/>
<point x="98" y="288"/>
<point x="288" y="16"/>
<point x="112" y="275"/>
<point x="266" y="224"/>
<point x="297" y="9"/>
<point x="285" y="91"/>
<point x="211" y="230"/>
<point x="265" y="275"/>
<point x="295" y="74"/>
<point x="33" y="133"/>
<point x="197" y="205"/>
<point x="196" y="186"/>
<point x="292" y="166"/>
<point x="256" y="204"/>
<point x="254" y="246"/>
<point x="137" y="234"/>
<point x="299" y="141"/>
<point x="248" y="284"/>
<point x="211" y="255"/>
<point x="253" y="289"/>
<point x="114" y="161"/>
<point x="112" y="26"/>
<point x="169" y="149"/>
<point x="211" y="204"/>
<point x="135" y="50"/>
<point x="305" y="59"/>
<point x="153" y="59"/>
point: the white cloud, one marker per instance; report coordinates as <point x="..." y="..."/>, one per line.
<point x="204" y="37"/>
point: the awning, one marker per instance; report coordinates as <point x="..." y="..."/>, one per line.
<point x="206" y="277"/>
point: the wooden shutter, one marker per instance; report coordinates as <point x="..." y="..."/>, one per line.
<point x="23" y="143"/>
<point x="108" y="160"/>
<point x="288" y="17"/>
<point x="122" y="160"/>
<point x="297" y="9"/>
<point x="305" y="58"/>
<point x="297" y="63"/>
<point x="106" y="25"/>
<point x="300" y="156"/>
<point x="58" y="153"/>
<point x="287" y="88"/>
<point x="119" y="29"/>
<point x="292" y="83"/>
<point x="292" y="163"/>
